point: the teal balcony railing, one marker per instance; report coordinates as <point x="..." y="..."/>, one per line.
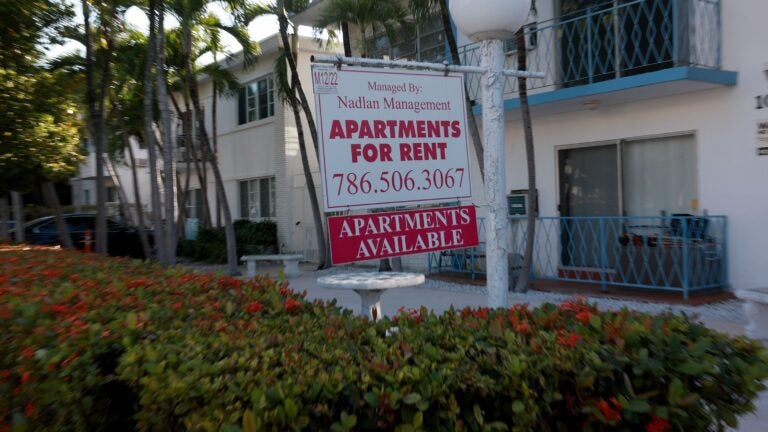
<point x="680" y="253"/>
<point x="616" y="39"/>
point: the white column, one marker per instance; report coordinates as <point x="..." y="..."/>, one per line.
<point x="492" y="59"/>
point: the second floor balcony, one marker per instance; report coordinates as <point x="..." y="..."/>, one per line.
<point x="615" y="47"/>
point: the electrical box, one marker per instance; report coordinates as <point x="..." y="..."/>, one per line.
<point x="517" y="203"/>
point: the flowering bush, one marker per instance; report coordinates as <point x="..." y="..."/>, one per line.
<point x="96" y="343"/>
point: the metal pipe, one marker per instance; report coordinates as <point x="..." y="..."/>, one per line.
<point x="439" y="67"/>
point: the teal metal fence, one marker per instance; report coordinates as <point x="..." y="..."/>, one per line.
<point x="680" y="253"/>
<point x="615" y="39"/>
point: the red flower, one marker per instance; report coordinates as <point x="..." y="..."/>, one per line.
<point x="568" y="339"/>
<point x="583" y="316"/>
<point x="610" y="409"/>
<point x="28" y="352"/>
<point x="657" y="424"/>
<point x="292" y="305"/>
<point x="254" y="307"/>
<point x="25" y="377"/>
<point x="29" y="409"/>
<point x="285" y="292"/>
<point x="176" y="306"/>
<point x="523" y="327"/>
<point x="137" y="283"/>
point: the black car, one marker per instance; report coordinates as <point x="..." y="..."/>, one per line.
<point x="122" y="240"/>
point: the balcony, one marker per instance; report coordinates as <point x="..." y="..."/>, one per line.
<point x="623" y="50"/>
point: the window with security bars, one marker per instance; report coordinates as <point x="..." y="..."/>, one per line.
<point x="256" y="100"/>
<point x="258" y="199"/>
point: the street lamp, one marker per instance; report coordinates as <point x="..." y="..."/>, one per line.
<point x="491" y="22"/>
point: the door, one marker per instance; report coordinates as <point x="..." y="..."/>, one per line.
<point x="589" y="186"/>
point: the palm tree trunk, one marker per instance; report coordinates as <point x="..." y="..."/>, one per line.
<point x="215" y="133"/>
<point x="347" y="43"/>
<point x="4" y="218"/>
<point x="169" y="164"/>
<point x="18" y="214"/>
<point x="137" y="197"/>
<point x="52" y="201"/>
<point x="323" y="257"/>
<point x="229" y="228"/>
<point x="96" y="126"/>
<point x="149" y="134"/>
<point x="474" y="131"/>
<point x="523" y="280"/>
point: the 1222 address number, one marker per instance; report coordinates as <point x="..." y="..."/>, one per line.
<point x="395" y="181"/>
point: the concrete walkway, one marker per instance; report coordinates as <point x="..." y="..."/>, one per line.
<point x="440" y="300"/>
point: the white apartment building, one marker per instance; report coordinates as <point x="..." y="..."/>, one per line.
<point x="651" y="138"/>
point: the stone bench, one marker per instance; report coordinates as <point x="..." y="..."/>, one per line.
<point x="370" y="286"/>
<point x="290" y="263"/>
<point x="756" y="309"/>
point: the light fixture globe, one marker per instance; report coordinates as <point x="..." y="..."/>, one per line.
<point x="489" y="19"/>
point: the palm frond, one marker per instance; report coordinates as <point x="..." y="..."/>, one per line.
<point x="226" y="81"/>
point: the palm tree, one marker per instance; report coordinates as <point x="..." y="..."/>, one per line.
<point x="169" y="165"/>
<point x="291" y="90"/>
<point x="371" y="17"/>
<point x="426" y="9"/>
<point x="523" y="280"/>
<point x="149" y="134"/>
<point x="191" y="13"/>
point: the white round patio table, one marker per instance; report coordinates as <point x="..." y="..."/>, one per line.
<point x="370" y="286"/>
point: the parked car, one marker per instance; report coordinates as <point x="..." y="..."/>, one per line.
<point x="122" y="240"/>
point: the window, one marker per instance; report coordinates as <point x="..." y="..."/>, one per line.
<point x="193" y="203"/>
<point x="659" y="175"/>
<point x="428" y="44"/>
<point x="256" y="101"/>
<point x="257" y="198"/>
<point x="636" y="177"/>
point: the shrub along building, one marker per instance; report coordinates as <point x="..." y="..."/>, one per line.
<point x="650" y="139"/>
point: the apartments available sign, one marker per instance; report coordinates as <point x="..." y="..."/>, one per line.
<point x="390" y="137"/>
<point x="381" y="235"/>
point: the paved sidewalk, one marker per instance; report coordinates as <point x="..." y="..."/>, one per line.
<point x="440" y="300"/>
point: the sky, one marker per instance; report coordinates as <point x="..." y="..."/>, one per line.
<point x="259" y="29"/>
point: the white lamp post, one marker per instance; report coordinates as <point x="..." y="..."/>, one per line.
<point x="491" y="22"/>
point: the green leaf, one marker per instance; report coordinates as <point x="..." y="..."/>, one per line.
<point x="290" y="408"/>
<point x="478" y="414"/>
<point x="729" y="417"/>
<point x="638" y="406"/>
<point x="676" y="391"/>
<point x="411" y="398"/>
<point x="249" y="422"/>
<point x="595" y="321"/>
<point x="130" y="320"/>
<point x="348" y="421"/>
<point x="494" y="328"/>
<point x="418" y="420"/>
<point x="518" y="406"/>
<point x="691" y="368"/>
<point x="371" y="399"/>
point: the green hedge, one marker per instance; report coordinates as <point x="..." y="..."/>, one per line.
<point x="211" y="243"/>
<point x="93" y="343"/>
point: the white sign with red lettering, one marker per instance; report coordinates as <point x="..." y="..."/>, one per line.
<point x="390" y="137"/>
